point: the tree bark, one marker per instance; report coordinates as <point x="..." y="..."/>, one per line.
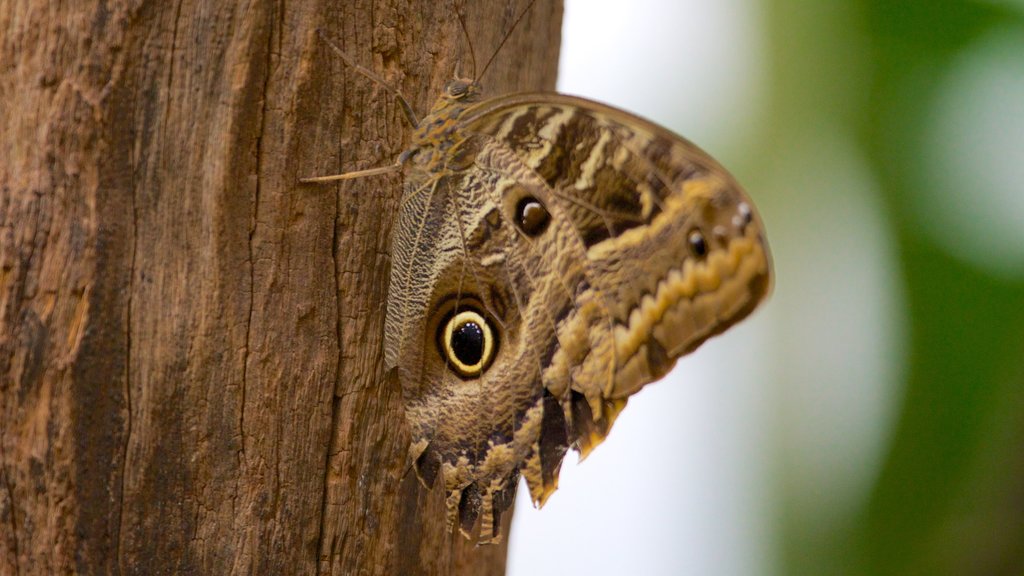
<point x="191" y="377"/>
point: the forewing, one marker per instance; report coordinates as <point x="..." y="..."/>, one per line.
<point x="674" y="248"/>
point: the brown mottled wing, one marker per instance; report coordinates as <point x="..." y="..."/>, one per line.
<point x="651" y="248"/>
<point x="672" y="248"/>
<point x="453" y="248"/>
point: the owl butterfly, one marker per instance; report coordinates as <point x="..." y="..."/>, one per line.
<point x="550" y="257"/>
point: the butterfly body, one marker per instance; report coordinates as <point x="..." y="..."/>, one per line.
<point x="550" y="256"/>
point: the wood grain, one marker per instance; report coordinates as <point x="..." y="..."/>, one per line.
<point x="191" y="377"/>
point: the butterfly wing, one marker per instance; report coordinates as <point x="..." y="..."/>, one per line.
<point x="598" y="246"/>
<point x="672" y="243"/>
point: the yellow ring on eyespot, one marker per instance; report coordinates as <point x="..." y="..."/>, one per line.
<point x="454" y="323"/>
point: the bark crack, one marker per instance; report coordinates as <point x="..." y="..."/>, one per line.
<point x="174" y="44"/>
<point x="127" y="371"/>
<point x="130" y="303"/>
<point x="14" y="509"/>
<point x="254" y="223"/>
<point x="335" y="398"/>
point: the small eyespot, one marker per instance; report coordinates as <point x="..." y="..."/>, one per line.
<point x="531" y="216"/>
<point x="746" y="214"/>
<point x="467" y="343"/>
<point x="698" y="244"/>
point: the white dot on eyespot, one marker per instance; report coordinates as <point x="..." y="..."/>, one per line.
<point x="970" y="200"/>
<point x="745" y="213"/>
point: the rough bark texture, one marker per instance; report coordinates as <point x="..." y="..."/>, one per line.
<point x="190" y="363"/>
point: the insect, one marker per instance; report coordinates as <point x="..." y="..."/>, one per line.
<point x="551" y="256"/>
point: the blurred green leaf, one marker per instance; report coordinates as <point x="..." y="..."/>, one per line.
<point x="950" y="496"/>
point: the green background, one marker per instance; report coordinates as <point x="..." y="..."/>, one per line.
<point x="949" y="497"/>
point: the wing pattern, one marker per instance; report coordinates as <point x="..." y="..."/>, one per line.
<point x="646" y="248"/>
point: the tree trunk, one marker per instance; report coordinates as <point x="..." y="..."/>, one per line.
<point x="191" y="377"/>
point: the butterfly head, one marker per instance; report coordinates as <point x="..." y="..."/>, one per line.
<point x="436" y="133"/>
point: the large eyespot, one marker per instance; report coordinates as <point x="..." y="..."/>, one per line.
<point x="467" y="343"/>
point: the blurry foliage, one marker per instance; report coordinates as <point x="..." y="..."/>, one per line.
<point x="949" y="498"/>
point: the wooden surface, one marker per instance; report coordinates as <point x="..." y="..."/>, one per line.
<point x="190" y="363"/>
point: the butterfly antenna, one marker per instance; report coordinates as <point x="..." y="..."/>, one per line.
<point x="472" y="53"/>
<point x="406" y="108"/>
<point x="352" y="175"/>
<point x="503" y="40"/>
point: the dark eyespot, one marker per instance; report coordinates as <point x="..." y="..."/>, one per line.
<point x="467" y="343"/>
<point x="531" y="216"/>
<point x="746" y="214"/>
<point x="697" y="243"/>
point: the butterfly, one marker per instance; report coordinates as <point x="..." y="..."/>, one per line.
<point x="550" y="256"/>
